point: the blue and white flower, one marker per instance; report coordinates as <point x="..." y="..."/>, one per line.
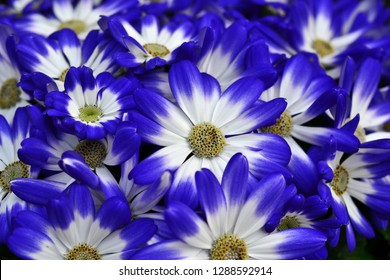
<point x="46" y="60"/>
<point x="81" y="16"/>
<point x="309" y="93"/>
<point x="91" y="107"/>
<point x="347" y="180"/>
<point x="74" y="230"/>
<point x="12" y="167"/>
<point x="329" y="30"/>
<point x="11" y="95"/>
<point x="69" y="159"/>
<point x="205" y="129"/>
<point x="361" y="91"/>
<point x="152" y="45"/>
<point x="234" y="219"/>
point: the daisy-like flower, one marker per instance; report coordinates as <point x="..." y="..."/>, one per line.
<point x="205" y="129"/>
<point x="12" y="167"/>
<point x="70" y="159"/>
<point x="234" y="219"/>
<point x="90" y="107"/>
<point x="361" y="88"/>
<point x="310" y="212"/>
<point x="329" y="30"/>
<point x="349" y="179"/>
<point x="309" y="92"/>
<point x="46" y="60"/>
<point x="11" y="95"/>
<point x="74" y="230"/>
<point x="81" y="16"/>
<point x="153" y="45"/>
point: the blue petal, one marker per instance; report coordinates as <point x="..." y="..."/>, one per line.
<point x="151" y="168"/>
<point x="167" y="250"/>
<point x="25" y="242"/>
<point x="187" y="85"/>
<point x="187" y="225"/>
<point x="299" y="242"/>
<point x="60" y="213"/>
<point x="235" y="180"/>
<point x="81" y="200"/>
<point x="113" y="213"/>
<point x="212" y="200"/>
<point x="37" y="191"/>
<point x="236" y="99"/>
<point x="138" y="232"/>
<point x="74" y="165"/>
<point x="82" y="76"/>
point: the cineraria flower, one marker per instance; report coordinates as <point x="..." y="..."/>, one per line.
<point x="153" y="46"/>
<point x="73" y="230"/>
<point x="81" y="16"/>
<point x="347" y="180"/>
<point x="70" y="159"/>
<point x="359" y="100"/>
<point x="205" y="129"/>
<point x="11" y="95"/>
<point x="46" y="60"/>
<point x="309" y="93"/>
<point x="90" y="107"/>
<point x="11" y="167"/>
<point x="310" y="212"/>
<point x="234" y="221"/>
<point x="328" y="29"/>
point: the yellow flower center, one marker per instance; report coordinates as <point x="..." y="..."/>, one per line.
<point x="229" y="247"/>
<point x="322" y="47"/>
<point x="9" y="94"/>
<point x="340" y="180"/>
<point x="282" y="127"/>
<point x="206" y="140"/>
<point x="83" y="252"/>
<point x="288" y="222"/>
<point x="90" y="113"/>
<point x="78" y="26"/>
<point x="156" y="50"/>
<point x="14" y="170"/>
<point x="93" y="152"/>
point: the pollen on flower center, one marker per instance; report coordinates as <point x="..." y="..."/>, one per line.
<point x="156" y="50"/>
<point x="282" y="127"/>
<point x="93" y="152"/>
<point x="322" y="47"/>
<point x="14" y="170"/>
<point x="229" y="247"/>
<point x="288" y="222"/>
<point x="83" y="252"/>
<point x="63" y="75"/>
<point x="206" y="140"/>
<point x="340" y="180"/>
<point x="90" y="113"/>
<point x="9" y="94"/>
<point x="78" y="26"/>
